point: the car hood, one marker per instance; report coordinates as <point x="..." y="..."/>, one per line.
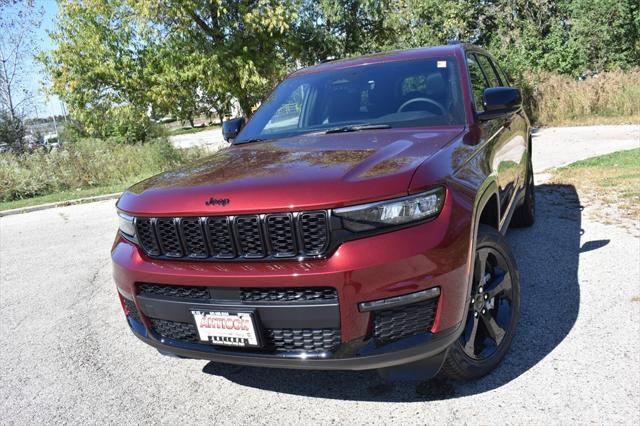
<point x="292" y="174"/>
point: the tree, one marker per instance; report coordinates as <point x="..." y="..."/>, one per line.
<point x="605" y="33"/>
<point x="244" y="41"/>
<point x="17" y="48"/>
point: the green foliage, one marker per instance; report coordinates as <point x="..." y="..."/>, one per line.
<point x="12" y="131"/>
<point x="84" y="164"/>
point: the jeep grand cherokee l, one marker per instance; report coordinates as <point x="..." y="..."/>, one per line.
<point x="355" y="222"/>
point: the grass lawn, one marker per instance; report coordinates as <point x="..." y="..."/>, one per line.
<point x="61" y="196"/>
<point x="189" y="130"/>
<point x="612" y="181"/>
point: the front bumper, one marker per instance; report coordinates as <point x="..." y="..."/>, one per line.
<point x="409" y="350"/>
<point x="433" y="254"/>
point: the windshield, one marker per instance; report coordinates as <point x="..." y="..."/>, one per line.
<point x="413" y="93"/>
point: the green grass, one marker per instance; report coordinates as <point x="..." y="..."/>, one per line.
<point x="61" y="196"/>
<point x="190" y="130"/>
<point x="629" y="160"/>
<point x="611" y="180"/>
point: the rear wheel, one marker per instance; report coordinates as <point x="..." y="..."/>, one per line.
<point x="493" y="311"/>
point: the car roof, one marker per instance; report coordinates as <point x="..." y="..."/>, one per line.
<point x="388" y="56"/>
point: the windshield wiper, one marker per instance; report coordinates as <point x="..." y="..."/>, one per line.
<point x="250" y="141"/>
<point x="357" y="128"/>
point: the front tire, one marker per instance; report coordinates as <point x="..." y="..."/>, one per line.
<point x="493" y="312"/>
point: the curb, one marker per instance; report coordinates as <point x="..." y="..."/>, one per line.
<point x="59" y="204"/>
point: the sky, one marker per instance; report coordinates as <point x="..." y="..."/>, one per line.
<point x="45" y="107"/>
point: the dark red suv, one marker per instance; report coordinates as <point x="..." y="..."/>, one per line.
<point x="356" y="222"/>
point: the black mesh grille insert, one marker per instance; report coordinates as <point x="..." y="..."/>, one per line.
<point x="301" y="294"/>
<point x="314" y="232"/>
<point x="168" y="236"/>
<point x="133" y="311"/>
<point x="404" y="321"/>
<point x="220" y="237"/>
<point x="146" y="236"/>
<point x="303" y="339"/>
<point x="279" y="235"/>
<point x="176" y="330"/>
<point x="193" y="237"/>
<point x="278" y="339"/>
<point x="174" y="291"/>
<point x="250" y="236"/>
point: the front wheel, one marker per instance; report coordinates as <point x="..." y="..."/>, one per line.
<point x="493" y="311"/>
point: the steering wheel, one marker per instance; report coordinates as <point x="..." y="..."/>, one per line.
<point x="427" y="100"/>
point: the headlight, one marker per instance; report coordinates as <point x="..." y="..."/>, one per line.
<point x="388" y="213"/>
<point x="126" y="226"/>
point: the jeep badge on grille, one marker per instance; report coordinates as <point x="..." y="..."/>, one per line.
<point x="217" y="202"/>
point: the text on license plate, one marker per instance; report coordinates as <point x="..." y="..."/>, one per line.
<point x="226" y="328"/>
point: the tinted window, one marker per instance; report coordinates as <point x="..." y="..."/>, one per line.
<point x="503" y="77"/>
<point x="287" y="117"/>
<point x="478" y="82"/>
<point x="489" y="72"/>
<point x="399" y="94"/>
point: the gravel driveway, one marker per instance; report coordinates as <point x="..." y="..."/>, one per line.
<point x="67" y="355"/>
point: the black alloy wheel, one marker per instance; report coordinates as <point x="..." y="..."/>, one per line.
<point x="493" y="310"/>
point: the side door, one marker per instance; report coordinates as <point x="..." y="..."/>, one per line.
<point x="504" y="149"/>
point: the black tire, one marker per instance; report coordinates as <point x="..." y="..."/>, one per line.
<point x="495" y="306"/>
<point x="525" y="214"/>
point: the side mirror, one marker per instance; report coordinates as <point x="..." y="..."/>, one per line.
<point x="500" y="102"/>
<point x="231" y="128"/>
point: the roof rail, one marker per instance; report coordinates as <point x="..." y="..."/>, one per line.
<point x="453" y="42"/>
<point x="328" y="59"/>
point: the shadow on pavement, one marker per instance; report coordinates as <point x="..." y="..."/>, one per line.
<point x="547" y="257"/>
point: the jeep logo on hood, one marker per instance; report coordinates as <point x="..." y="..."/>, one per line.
<point x="217" y="202"/>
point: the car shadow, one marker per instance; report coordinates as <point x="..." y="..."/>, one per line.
<point x="547" y="255"/>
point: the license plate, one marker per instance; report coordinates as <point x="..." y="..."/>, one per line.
<point x="227" y="328"/>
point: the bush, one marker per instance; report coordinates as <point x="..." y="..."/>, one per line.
<point x="84" y="164"/>
<point x="553" y="99"/>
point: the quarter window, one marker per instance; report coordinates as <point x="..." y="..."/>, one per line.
<point x="489" y="71"/>
<point x="478" y="82"/>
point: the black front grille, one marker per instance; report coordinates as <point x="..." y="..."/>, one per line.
<point x="286" y="235"/>
<point x="276" y="339"/>
<point x="294" y="294"/>
<point x="133" y="311"/>
<point x="404" y="321"/>
<point x="314" y="236"/>
<point x="174" y="291"/>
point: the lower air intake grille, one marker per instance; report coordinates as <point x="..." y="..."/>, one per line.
<point x="298" y="294"/>
<point x="277" y="339"/>
<point x="133" y="311"/>
<point x="404" y="321"/>
<point x="174" y="291"/>
<point x="175" y="330"/>
<point x="304" y="339"/>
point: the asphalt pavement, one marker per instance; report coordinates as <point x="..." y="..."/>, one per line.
<point x="67" y="355"/>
